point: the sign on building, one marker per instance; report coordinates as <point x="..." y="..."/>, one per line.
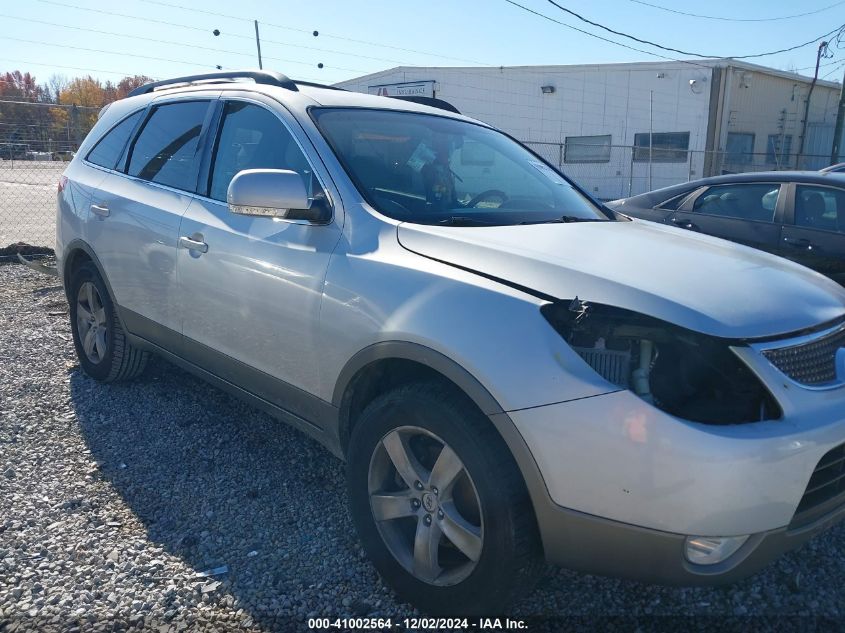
<point x="406" y="89"/>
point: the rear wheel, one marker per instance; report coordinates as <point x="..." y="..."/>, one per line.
<point x="439" y="503"/>
<point x="101" y="344"/>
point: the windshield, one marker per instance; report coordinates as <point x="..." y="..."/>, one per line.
<point x="435" y="170"/>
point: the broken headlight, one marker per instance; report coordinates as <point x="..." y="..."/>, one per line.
<point x="684" y="373"/>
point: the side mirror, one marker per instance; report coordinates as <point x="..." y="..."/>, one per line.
<point x="273" y="193"/>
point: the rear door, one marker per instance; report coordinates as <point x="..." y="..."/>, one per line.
<point x="139" y="211"/>
<point x="813" y="233"/>
<point x="81" y="192"/>
<point x="747" y="213"/>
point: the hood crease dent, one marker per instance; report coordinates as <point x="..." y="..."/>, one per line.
<point x="695" y="281"/>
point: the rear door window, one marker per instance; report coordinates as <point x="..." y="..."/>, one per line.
<point x="165" y="151"/>
<point x="820" y="208"/>
<point x="741" y="201"/>
<point x="108" y="149"/>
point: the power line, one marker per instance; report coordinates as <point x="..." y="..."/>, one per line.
<point x="724" y="19"/>
<point x="235" y="35"/>
<point x="484" y="73"/>
<point x="108" y="72"/>
<point x="336" y="37"/>
<point x="598" y="37"/>
<point x="157" y="41"/>
<point x="122" y="15"/>
<point x="836" y="61"/>
<point x="99" y="50"/>
<point x="44" y="104"/>
<point x="85" y="70"/>
<point x="682" y="52"/>
<point x="396" y="61"/>
<point x="839" y="67"/>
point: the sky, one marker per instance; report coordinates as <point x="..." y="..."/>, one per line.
<point x="166" y="38"/>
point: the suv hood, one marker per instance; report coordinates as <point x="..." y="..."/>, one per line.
<point x="695" y="281"/>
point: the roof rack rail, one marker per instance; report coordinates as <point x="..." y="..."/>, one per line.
<point x="314" y="84"/>
<point x="429" y="101"/>
<point x="265" y="77"/>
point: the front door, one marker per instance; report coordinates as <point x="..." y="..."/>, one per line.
<point x="250" y="294"/>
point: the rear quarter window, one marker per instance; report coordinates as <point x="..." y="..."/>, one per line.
<point x="110" y="147"/>
<point x="673" y="203"/>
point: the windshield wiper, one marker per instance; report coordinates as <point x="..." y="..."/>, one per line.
<point x="462" y="220"/>
<point x="564" y="219"/>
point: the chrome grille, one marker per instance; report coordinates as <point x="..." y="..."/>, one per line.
<point x="811" y="363"/>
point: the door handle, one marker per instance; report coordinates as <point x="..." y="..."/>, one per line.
<point x="193" y="244"/>
<point x="101" y="210"/>
<point x="799" y="243"/>
<point x="684" y="224"/>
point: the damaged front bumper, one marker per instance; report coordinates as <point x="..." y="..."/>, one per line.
<point x="596" y="545"/>
<point x="627" y="483"/>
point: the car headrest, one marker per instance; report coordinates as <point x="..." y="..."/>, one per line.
<point x="811" y="210"/>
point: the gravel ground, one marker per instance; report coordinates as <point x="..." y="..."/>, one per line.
<point x="113" y="498"/>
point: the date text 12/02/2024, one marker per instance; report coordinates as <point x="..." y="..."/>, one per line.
<point x="417" y="624"/>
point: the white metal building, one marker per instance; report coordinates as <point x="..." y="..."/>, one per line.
<point x="705" y="116"/>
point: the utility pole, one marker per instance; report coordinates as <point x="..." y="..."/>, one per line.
<point x="77" y="132"/>
<point x="216" y="33"/>
<point x="822" y="49"/>
<point x="258" y="45"/>
<point x="650" y="133"/>
<point x="837" y="134"/>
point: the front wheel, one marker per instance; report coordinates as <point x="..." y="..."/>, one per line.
<point x="439" y="503"/>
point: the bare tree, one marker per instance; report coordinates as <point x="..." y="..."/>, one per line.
<point x="55" y="85"/>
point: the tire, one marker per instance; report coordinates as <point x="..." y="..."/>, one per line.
<point x="444" y="579"/>
<point x="109" y="356"/>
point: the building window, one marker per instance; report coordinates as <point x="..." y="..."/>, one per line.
<point x="587" y="149"/>
<point x="666" y="147"/>
<point x="778" y="149"/>
<point x="739" y="148"/>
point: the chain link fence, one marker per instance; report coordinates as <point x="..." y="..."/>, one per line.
<point x="28" y="201"/>
<point x="37" y="140"/>
<point x="33" y="158"/>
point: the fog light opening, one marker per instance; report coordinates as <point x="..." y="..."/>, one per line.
<point x="710" y="550"/>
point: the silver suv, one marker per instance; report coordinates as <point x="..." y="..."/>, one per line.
<point x="512" y="372"/>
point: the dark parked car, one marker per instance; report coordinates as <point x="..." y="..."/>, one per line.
<point x="799" y="215"/>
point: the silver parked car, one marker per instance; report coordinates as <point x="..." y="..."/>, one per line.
<point x="512" y="372"/>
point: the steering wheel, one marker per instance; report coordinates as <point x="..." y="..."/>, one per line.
<point x="490" y="193"/>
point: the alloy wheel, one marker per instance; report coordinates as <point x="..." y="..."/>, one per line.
<point x="425" y="506"/>
<point x="91" y="322"/>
